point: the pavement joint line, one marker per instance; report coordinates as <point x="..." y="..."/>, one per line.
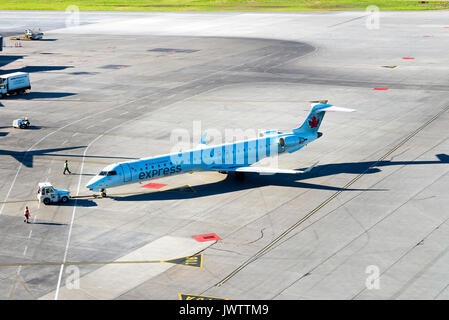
<point x="306" y="217"/>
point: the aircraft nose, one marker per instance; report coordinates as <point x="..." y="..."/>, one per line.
<point x="93" y="182"/>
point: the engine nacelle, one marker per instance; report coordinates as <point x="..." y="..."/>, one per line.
<point x="291" y="141"/>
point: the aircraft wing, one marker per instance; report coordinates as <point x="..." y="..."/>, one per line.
<point x="263" y="170"/>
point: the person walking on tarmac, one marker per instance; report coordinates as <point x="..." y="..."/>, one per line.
<point x="27" y="215"/>
<point x="66" y="167"/>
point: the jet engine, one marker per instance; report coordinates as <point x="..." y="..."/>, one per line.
<point x="289" y="141"/>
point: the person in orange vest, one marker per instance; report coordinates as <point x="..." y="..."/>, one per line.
<point x="27" y="215"/>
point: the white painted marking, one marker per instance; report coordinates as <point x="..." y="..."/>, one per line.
<point x="104" y="120"/>
<point x="75" y="205"/>
<point x="124" y="113"/>
<point x="25" y="251"/>
<point x="31" y="231"/>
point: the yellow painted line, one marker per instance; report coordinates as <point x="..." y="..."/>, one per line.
<point x="17" y="201"/>
<point x="280" y="237"/>
<point x="189" y="261"/>
<point x="72" y="263"/>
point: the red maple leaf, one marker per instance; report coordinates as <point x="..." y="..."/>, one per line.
<point x="314" y="122"/>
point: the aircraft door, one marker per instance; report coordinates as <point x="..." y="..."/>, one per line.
<point x="126" y="172"/>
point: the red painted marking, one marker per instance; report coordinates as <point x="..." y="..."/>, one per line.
<point x="380" y="89"/>
<point x="154" y="185"/>
<point x="427" y="36"/>
<point x="408" y="58"/>
<point x="207" y="237"/>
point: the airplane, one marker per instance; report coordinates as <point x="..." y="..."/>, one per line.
<point x="234" y="157"/>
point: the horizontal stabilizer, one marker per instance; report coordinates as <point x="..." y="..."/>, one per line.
<point x="330" y="108"/>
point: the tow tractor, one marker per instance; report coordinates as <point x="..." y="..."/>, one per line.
<point x="47" y="194"/>
<point x="21" y="123"/>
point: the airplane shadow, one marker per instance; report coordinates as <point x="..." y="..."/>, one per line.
<point x="26" y="158"/>
<point x="366" y="167"/>
<point x="253" y="180"/>
<point x="30" y="69"/>
<point x="4" y="60"/>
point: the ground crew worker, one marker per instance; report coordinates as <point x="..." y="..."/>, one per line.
<point x="66" y="167"/>
<point x="27" y="215"/>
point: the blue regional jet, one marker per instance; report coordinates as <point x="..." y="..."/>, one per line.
<point x="235" y="157"/>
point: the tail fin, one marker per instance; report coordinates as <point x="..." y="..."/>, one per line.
<point x="313" y="121"/>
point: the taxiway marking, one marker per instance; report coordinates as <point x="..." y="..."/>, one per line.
<point x="195" y="261"/>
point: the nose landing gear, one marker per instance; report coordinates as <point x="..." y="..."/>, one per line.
<point x="103" y="192"/>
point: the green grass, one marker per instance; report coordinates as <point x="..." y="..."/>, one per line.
<point x="220" y="5"/>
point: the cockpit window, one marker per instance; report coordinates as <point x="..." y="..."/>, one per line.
<point x="108" y="173"/>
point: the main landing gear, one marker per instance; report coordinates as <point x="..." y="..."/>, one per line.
<point x="237" y="175"/>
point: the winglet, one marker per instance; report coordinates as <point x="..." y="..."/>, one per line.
<point x="202" y="143"/>
<point x="311" y="167"/>
<point x="203" y="138"/>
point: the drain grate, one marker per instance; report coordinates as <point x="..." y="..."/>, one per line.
<point x="115" y="66"/>
<point x="83" y="73"/>
<point x="170" y="50"/>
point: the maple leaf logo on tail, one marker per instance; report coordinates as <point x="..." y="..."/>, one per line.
<point x="314" y="122"/>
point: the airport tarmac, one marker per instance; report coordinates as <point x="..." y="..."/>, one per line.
<point x="369" y="222"/>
